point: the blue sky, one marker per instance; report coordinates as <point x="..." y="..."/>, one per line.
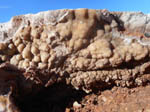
<point x="9" y="8"/>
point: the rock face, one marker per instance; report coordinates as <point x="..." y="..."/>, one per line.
<point x="83" y="48"/>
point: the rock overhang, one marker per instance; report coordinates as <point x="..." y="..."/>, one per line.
<point x="86" y="48"/>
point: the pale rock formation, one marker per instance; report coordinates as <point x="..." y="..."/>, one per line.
<point x="85" y="48"/>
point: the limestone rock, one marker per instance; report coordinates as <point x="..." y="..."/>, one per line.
<point x="88" y="49"/>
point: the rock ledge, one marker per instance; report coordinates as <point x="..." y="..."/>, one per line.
<point x="83" y="49"/>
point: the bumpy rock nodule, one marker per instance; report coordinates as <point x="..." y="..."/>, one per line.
<point x="85" y="48"/>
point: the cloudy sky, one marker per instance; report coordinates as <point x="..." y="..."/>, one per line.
<point x="9" y="8"/>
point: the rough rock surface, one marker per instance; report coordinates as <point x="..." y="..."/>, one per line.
<point x="83" y="49"/>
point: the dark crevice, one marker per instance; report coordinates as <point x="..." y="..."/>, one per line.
<point x="51" y="99"/>
<point x="100" y="86"/>
<point x="58" y="96"/>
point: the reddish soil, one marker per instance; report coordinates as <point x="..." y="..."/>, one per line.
<point x="60" y="98"/>
<point x="116" y="100"/>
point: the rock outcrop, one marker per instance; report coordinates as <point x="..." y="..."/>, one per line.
<point x="84" y="49"/>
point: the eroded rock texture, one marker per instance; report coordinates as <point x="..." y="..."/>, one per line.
<point x="87" y="49"/>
